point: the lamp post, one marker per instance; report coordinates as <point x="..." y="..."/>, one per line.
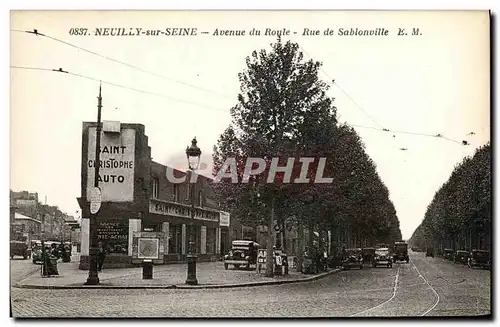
<point x="193" y="155"/>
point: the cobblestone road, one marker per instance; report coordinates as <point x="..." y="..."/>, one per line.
<point x="428" y="286"/>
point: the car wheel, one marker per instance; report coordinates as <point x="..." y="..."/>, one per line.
<point x="361" y="267"/>
<point x="237" y="266"/>
<point x="226" y="266"/>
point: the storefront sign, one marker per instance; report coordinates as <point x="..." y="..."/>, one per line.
<point x="113" y="233"/>
<point x="116" y="173"/>
<point x="224" y="219"/>
<point x="26" y="203"/>
<point x="166" y="208"/>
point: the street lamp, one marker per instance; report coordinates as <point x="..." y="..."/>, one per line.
<point x="193" y="155"/>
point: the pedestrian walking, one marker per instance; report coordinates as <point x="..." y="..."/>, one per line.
<point x="101" y="255"/>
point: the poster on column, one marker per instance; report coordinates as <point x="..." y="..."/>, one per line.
<point x="116" y="171"/>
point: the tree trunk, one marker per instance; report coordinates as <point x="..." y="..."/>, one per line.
<point x="310" y="238"/>
<point x="270" y="241"/>
<point x="283" y="236"/>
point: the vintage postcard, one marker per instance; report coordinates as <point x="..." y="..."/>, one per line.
<point x="229" y="164"/>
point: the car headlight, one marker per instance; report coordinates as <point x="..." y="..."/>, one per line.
<point x="247" y="257"/>
<point x="243" y="255"/>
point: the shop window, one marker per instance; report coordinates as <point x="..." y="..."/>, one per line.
<point x="210" y="240"/>
<point x="176" y="193"/>
<point x="234" y="234"/>
<point x="188" y="191"/>
<point x="174" y="239"/>
<point x="171" y="239"/>
<point x="113" y="234"/>
<point x="156" y="184"/>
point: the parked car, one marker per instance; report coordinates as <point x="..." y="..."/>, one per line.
<point x="353" y="258"/>
<point x="242" y="253"/>
<point x="448" y="254"/>
<point x="461" y="257"/>
<point x="382" y="258"/>
<point x="479" y="258"/>
<point x="429" y="252"/>
<point x="401" y="252"/>
<point x="19" y="248"/>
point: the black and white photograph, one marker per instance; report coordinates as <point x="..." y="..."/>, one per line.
<point x="250" y="164"/>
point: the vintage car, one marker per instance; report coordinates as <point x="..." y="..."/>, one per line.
<point x="242" y="253"/>
<point x="368" y="254"/>
<point x="461" y="257"/>
<point x="401" y="252"/>
<point x="352" y="258"/>
<point x="479" y="258"/>
<point x="429" y="252"/>
<point x="448" y="254"/>
<point x="382" y="258"/>
<point x="19" y="248"/>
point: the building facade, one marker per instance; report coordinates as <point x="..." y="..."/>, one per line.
<point x="36" y="221"/>
<point x="136" y="196"/>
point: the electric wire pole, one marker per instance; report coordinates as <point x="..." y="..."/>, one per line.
<point x="93" y="278"/>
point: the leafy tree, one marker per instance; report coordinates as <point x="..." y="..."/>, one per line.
<point x="283" y="111"/>
<point x="461" y="208"/>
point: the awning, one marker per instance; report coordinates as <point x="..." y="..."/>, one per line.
<point x="18" y="215"/>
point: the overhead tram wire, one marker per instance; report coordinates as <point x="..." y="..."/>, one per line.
<point x="381" y="127"/>
<point x="409" y="133"/>
<point x="37" y="33"/>
<point x="332" y="81"/>
<point x="60" y="70"/>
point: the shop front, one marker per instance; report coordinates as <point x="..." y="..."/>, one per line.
<point x="174" y="219"/>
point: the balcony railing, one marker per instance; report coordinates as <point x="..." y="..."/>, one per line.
<point x="167" y="208"/>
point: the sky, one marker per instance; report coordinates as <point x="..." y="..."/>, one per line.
<point x="437" y="82"/>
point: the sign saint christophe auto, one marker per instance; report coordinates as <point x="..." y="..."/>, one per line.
<point x="116" y="173"/>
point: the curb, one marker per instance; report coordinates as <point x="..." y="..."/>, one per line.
<point x="109" y="286"/>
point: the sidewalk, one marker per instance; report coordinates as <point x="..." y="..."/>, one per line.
<point x="209" y="275"/>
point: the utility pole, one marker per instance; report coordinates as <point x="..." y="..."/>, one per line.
<point x="93" y="278"/>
